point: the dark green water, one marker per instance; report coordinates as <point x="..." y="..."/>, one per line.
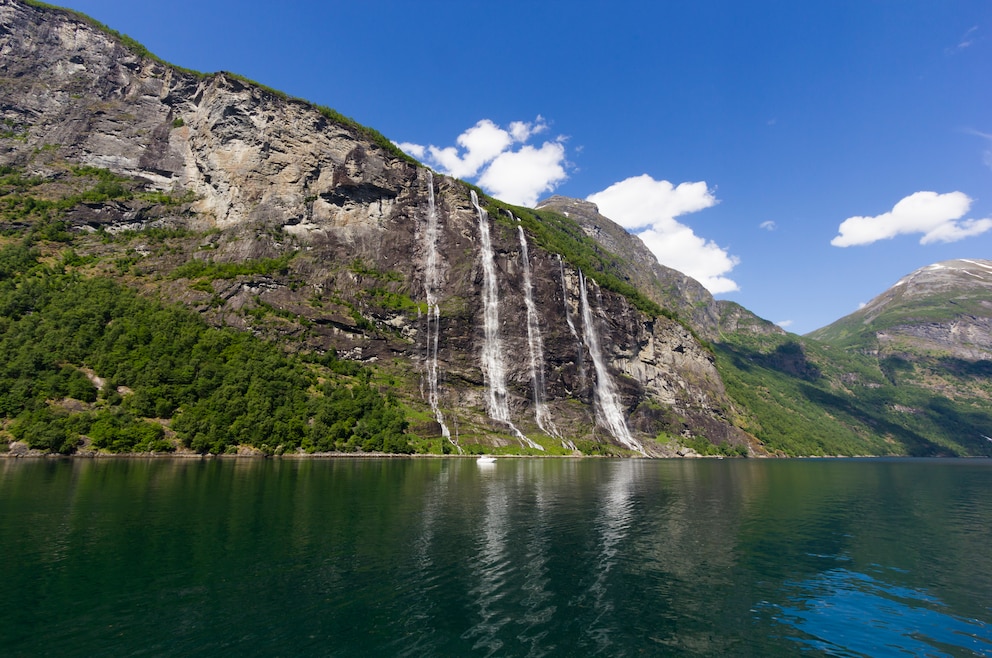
<point x="524" y="558"/>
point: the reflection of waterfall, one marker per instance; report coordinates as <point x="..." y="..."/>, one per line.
<point x="539" y="601"/>
<point x="614" y="521"/>
<point x="419" y="617"/>
<point x="609" y="408"/>
<point x="534" y="343"/>
<point x="431" y="286"/>
<point x="492" y="568"/>
<point x="493" y="366"/>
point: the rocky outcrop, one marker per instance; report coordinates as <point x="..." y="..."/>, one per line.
<point x="262" y="176"/>
<point x="735" y="319"/>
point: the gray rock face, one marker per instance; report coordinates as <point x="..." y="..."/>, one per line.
<point x="270" y="175"/>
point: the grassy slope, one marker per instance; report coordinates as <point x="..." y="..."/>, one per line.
<point x="807" y="398"/>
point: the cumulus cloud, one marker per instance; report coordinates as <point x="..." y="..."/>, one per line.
<point x="416" y="150"/>
<point x="501" y="160"/>
<point x="768" y="225"/>
<point x="648" y="208"/>
<point x="522" y="176"/>
<point x="937" y="216"/>
<point x="785" y="324"/>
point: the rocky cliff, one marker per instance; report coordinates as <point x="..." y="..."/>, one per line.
<point x="378" y="259"/>
<point x="670" y="288"/>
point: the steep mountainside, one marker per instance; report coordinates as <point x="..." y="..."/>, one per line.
<point x="492" y="325"/>
<point x="908" y="373"/>
<point x="669" y="288"/>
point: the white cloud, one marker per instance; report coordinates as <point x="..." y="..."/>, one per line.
<point x="965" y="42"/>
<point x="649" y="207"/>
<point x="480" y="144"/>
<point x="500" y="159"/>
<point x="522" y="176"/>
<point x="416" y="150"/>
<point x="768" y="225"/>
<point x="936" y="216"/>
<point x="785" y="323"/>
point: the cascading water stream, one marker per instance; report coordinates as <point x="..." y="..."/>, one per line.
<point x="431" y="285"/>
<point x="580" y="362"/>
<point x="606" y="395"/>
<point x="493" y="366"/>
<point x="564" y="298"/>
<point x="534" y="343"/>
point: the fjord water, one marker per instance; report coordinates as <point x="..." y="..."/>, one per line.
<point x="533" y="557"/>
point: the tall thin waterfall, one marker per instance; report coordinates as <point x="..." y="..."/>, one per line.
<point x="534" y="343"/>
<point x="493" y="366"/>
<point x="606" y="393"/>
<point x="431" y="285"/>
<point x="571" y="325"/>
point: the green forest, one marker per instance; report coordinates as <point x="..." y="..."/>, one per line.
<point x="86" y="357"/>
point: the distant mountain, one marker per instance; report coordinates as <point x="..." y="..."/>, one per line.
<point x="933" y="329"/>
<point x="910" y="373"/>
<point x="944" y="309"/>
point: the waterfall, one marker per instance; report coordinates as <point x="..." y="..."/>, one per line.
<point x="606" y="395"/>
<point x="534" y="343"/>
<point x="580" y="361"/>
<point x="431" y="285"/>
<point x="493" y="366"/>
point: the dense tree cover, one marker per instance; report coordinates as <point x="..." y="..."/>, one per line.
<point x="61" y="334"/>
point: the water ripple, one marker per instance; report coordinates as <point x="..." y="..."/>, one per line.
<point x="844" y="612"/>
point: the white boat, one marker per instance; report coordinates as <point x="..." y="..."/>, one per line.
<point x="486" y="459"/>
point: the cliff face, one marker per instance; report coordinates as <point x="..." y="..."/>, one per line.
<point x="380" y="257"/>
<point x="710" y="318"/>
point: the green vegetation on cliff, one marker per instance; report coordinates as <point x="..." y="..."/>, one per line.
<point x="805" y="398"/>
<point x="86" y="357"/>
<point x="83" y="357"/>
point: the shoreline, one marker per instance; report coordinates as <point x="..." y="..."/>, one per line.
<point x="192" y="456"/>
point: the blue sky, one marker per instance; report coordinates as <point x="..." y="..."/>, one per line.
<point x="796" y="157"/>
